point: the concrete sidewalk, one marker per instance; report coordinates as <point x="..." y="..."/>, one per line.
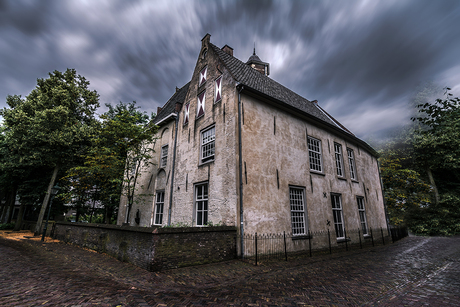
<point x="415" y="271"/>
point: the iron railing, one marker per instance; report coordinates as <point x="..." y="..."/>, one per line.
<point x="262" y="247"/>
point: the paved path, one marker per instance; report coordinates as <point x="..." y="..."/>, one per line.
<point x="415" y="271"/>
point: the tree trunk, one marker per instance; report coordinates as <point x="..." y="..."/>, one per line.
<point x="45" y="201"/>
<point x="17" y="226"/>
<point x="3" y="209"/>
<point x="433" y="185"/>
<point x="11" y="202"/>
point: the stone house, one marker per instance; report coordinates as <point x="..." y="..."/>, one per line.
<point x="237" y="148"/>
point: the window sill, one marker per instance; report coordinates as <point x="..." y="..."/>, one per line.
<point x="205" y="163"/>
<point x="317" y="173"/>
<point x="343" y="240"/>
<point x="354" y="180"/>
<point x="301" y="237"/>
<point x="367" y="236"/>
<point x="342" y="178"/>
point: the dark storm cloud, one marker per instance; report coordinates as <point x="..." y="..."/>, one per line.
<point x="361" y="59"/>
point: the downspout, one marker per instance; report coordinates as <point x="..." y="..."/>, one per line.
<point x="172" y="171"/>
<point x="240" y="158"/>
<point x="387" y="218"/>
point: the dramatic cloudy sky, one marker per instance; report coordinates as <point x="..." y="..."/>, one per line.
<point x="362" y="60"/>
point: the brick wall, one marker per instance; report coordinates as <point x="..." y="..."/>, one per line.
<point x="153" y="248"/>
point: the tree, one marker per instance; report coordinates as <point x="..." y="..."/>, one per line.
<point x="53" y="125"/>
<point x="437" y="142"/>
<point x="117" y="149"/>
<point x="405" y="191"/>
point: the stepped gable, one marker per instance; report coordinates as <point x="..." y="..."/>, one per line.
<point x="170" y="106"/>
<point x="250" y="77"/>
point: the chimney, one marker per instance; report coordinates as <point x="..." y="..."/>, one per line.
<point x="205" y="40"/>
<point x="315" y="101"/>
<point x="158" y="110"/>
<point x="178" y="107"/>
<point x="177" y="89"/>
<point x="228" y="50"/>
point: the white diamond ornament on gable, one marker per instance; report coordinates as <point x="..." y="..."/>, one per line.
<point x="218" y="90"/>
<point x="203" y="76"/>
<point x="200" y="104"/>
<point x="186" y="113"/>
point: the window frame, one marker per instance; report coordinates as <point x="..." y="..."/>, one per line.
<point x="299" y="227"/>
<point x="352" y="164"/>
<point x="313" y="154"/>
<point x="159" y="202"/>
<point x="201" y="212"/>
<point x="212" y="143"/>
<point x="164" y="156"/>
<point x="338" y="152"/>
<point x="337" y="212"/>
<point x="362" y="215"/>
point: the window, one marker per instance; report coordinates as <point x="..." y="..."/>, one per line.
<point x="297" y="201"/>
<point x="338" y="215"/>
<point x="164" y="156"/>
<point x="314" y="154"/>
<point x="159" y="206"/>
<point x="218" y="89"/>
<point x="200" y="104"/>
<point x="338" y="159"/>
<point x="203" y="76"/>
<point x="351" y="163"/>
<point x="208" y="139"/>
<point x="201" y="203"/>
<point x="186" y="113"/>
<point x="362" y="215"/>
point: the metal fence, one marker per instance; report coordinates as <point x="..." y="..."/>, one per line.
<point x="262" y="247"/>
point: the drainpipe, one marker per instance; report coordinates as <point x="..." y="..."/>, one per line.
<point x="240" y="153"/>
<point x="172" y="171"/>
<point x="387" y="218"/>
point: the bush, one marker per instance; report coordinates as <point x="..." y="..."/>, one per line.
<point x="442" y="219"/>
<point x="6" y="226"/>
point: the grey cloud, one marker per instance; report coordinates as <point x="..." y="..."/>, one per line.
<point x="360" y="59"/>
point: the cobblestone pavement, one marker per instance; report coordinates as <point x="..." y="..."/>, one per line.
<point x="415" y="271"/>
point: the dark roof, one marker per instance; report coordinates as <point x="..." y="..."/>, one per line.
<point x="170" y="106"/>
<point x="250" y="77"/>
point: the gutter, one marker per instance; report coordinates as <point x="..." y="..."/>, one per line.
<point x="240" y="173"/>
<point x="172" y="167"/>
<point x="166" y="118"/>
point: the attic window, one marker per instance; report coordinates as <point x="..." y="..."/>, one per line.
<point x="200" y="104"/>
<point x="203" y="73"/>
<point x="205" y="53"/>
<point x="218" y="89"/>
<point x="186" y="113"/>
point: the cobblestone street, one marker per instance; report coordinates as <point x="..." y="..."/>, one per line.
<point x="416" y="271"/>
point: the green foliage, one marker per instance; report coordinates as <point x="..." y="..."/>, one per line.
<point x="405" y="191"/>
<point x="441" y="219"/>
<point x="115" y="151"/>
<point x="7" y="226"/>
<point x="177" y="225"/>
<point x="431" y="153"/>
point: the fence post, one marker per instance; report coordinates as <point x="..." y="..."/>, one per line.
<point x="372" y="237"/>
<point x="255" y="243"/>
<point x="359" y="235"/>
<point x="383" y="238"/>
<point x="285" y="249"/>
<point x="346" y="240"/>
<point x="309" y="241"/>
<point x="329" y="235"/>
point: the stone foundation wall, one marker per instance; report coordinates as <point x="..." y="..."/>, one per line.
<point x="153" y="248"/>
